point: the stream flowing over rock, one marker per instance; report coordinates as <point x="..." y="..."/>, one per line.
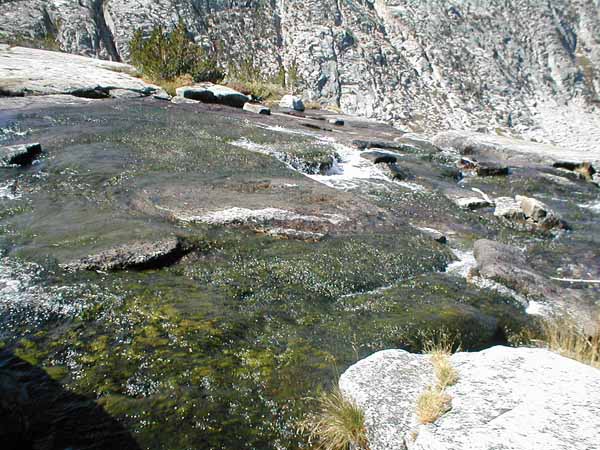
<point x="505" y="398"/>
<point x="527" y="67"/>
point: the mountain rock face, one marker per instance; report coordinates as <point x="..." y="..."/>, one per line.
<point x="505" y="398"/>
<point x="522" y="67"/>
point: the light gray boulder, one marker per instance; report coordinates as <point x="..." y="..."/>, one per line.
<point x="214" y="93"/>
<point x="292" y="102"/>
<point x="257" y="109"/>
<point x="528" y="211"/>
<point x="508" y="208"/>
<point x="505" y="398"/>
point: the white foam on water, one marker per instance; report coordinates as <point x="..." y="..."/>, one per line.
<point x="243" y="215"/>
<point x="465" y="262"/>
<point x="8" y="192"/>
<point x="595" y="207"/>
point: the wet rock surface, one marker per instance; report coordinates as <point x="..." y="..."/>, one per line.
<point x="293" y="242"/>
<point x="134" y="255"/>
<point x="512" y="398"/>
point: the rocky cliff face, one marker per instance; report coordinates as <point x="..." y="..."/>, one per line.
<point x="521" y="66"/>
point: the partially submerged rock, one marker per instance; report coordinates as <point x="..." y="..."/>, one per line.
<point x="257" y="108"/>
<point x="20" y="155"/>
<point x="584" y="170"/>
<point x="516" y="398"/>
<point x="471" y="203"/>
<point x="484" y="169"/>
<point x="395" y="172"/>
<point x="135" y="255"/>
<point x="379" y="157"/>
<point x="529" y="211"/>
<point x="292" y="102"/>
<point x="214" y="93"/>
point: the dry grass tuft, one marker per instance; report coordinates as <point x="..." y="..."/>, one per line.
<point x="171" y="85"/>
<point x="338" y="424"/>
<point x="432" y="404"/>
<point x="563" y="336"/>
<point x="312" y="105"/>
<point x="446" y="374"/>
<point x="434" y="401"/>
<point x="262" y="90"/>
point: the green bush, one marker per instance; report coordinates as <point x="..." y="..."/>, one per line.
<point x="166" y="56"/>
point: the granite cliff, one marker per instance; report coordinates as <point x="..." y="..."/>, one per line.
<point x="519" y="67"/>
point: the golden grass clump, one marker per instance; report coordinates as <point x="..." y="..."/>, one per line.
<point x="338" y="424"/>
<point x="434" y="401"/>
<point x="432" y="404"/>
<point x="170" y="86"/>
<point x="564" y="337"/>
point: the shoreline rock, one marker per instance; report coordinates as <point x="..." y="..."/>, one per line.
<point x="516" y="398"/>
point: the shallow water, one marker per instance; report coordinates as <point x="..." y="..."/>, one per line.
<point x="227" y="348"/>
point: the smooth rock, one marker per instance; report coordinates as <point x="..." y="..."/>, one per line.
<point x="471" y="203"/>
<point x="436" y="235"/>
<point x="20" y="155"/>
<point x="509" y="208"/>
<point x="179" y="100"/>
<point x="213" y="93"/>
<point x="134" y="255"/>
<point x="505" y="398"/>
<point x="336" y="122"/>
<point x="292" y="102"/>
<point x="162" y="95"/>
<point x="256" y="108"/>
<point x="537" y="211"/>
<point x="21" y="69"/>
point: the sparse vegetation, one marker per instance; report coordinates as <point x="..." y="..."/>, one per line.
<point x="434" y="401"/>
<point x="312" y="105"/>
<point x="246" y="76"/>
<point x="432" y="404"/>
<point x="338" y="424"/>
<point x="167" y="59"/>
<point x="563" y="336"/>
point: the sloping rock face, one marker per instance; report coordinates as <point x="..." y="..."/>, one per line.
<point x="505" y="398"/>
<point x="21" y="72"/>
<point x="526" y="67"/>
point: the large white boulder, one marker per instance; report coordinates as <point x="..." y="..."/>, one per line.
<point x="505" y="398"/>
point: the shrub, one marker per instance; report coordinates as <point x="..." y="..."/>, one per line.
<point x="167" y="56"/>
<point x="338" y="424"/>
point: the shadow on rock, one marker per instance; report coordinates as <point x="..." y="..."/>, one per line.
<point x="37" y="413"/>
